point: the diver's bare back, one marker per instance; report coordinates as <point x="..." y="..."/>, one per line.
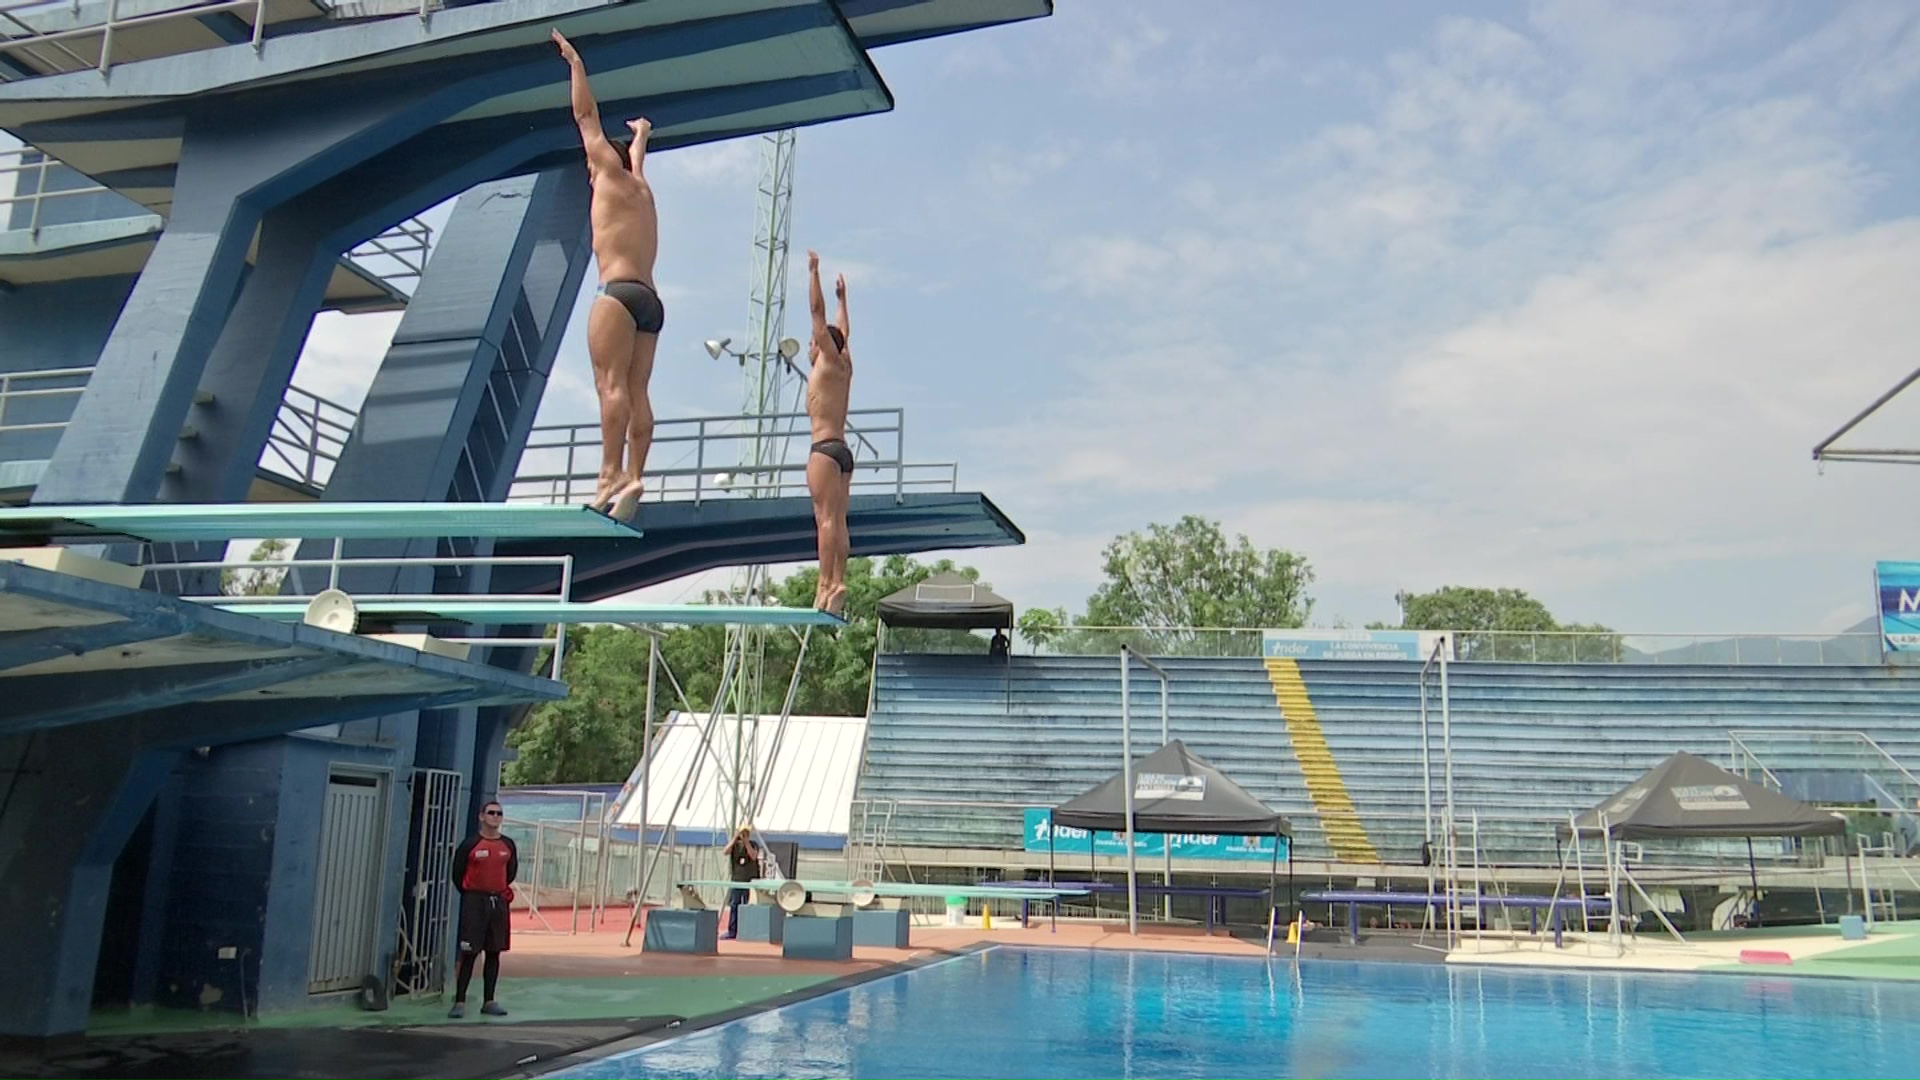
<point x="626" y="232"/>
<point x="827" y="391"/>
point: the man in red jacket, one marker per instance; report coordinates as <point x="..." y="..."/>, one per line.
<point x="484" y="868"/>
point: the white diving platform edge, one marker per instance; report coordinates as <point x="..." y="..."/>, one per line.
<point x="547" y="612"/>
<point x="217" y="522"/>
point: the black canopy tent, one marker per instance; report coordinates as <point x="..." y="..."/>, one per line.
<point x="1174" y="791"/>
<point x="1689" y="796"/>
<point x="948" y="602"/>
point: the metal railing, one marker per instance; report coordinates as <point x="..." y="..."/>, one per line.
<point x="562" y="461"/>
<point x="1545" y="647"/>
<point x="1844" y="771"/>
<point x="1506" y="841"/>
<point x="47" y="47"/>
<point x="69" y="37"/>
<point x="399" y="254"/>
<point x="308" y="435"/>
<point x="339" y="563"/>
<point x="21" y="390"/>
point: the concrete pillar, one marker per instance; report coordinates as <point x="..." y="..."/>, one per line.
<point x="239" y="160"/>
<point x="76" y="796"/>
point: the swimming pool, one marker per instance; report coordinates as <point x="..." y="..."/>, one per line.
<point x="1073" y="1013"/>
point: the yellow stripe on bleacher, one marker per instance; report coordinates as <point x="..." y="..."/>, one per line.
<point x="1338" y="818"/>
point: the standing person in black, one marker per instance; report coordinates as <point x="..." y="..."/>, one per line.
<point x="743" y="864"/>
<point x="484" y="868"/>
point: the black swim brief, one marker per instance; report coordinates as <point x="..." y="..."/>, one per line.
<point x="641" y="302"/>
<point x="837" y="450"/>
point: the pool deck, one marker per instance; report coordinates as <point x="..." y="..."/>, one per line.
<point x="582" y="995"/>
<point x="1890" y="951"/>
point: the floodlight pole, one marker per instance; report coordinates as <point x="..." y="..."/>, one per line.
<point x="1166" y="842"/>
<point x="1452" y="837"/>
<point x="1127" y="657"/>
<point x="1126" y="787"/>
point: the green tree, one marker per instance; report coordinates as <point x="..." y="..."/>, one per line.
<point x="1503" y="624"/>
<point x="264" y="581"/>
<point x="596" y="734"/>
<point x="592" y="735"/>
<point x="1176" y="578"/>
<point x="1043" y="627"/>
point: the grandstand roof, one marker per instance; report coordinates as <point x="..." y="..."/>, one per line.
<point x="1691" y="796"/>
<point x="808" y="789"/>
<point x="1174" y="791"/>
<point x="947" y="602"/>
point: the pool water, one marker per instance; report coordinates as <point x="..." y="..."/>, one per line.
<point x="1080" y="1013"/>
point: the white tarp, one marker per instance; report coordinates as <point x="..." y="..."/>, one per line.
<point x="808" y="790"/>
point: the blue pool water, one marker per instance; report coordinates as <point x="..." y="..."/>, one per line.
<point x="1077" y="1013"/>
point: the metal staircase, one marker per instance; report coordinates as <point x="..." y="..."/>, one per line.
<point x="872" y="832"/>
<point x="1833" y="768"/>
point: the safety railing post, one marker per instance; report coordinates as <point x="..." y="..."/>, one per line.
<point x="106" y="36"/>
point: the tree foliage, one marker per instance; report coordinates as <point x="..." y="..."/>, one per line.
<point x="1504" y="624"/>
<point x="1166" y="586"/>
<point x="594" y="736"/>
<point x="264" y="581"/>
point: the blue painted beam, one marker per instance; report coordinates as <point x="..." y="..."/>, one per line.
<point x="22" y="647"/>
<point x="683" y="538"/>
<point x="138" y="605"/>
<point x="36" y="702"/>
<point x="218" y="723"/>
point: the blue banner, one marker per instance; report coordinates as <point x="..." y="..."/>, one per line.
<point x="1899" y="586"/>
<point x="1414" y="645"/>
<point x="1068" y="841"/>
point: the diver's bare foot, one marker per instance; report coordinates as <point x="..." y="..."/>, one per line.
<point x="626" y="499"/>
<point x="836" y="603"/>
<point x="603" y="491"/>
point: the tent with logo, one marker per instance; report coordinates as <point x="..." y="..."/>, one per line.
<point x="1173" y="791"/>
<point x="1687" y="796"/>
<point x="947" y="601"/>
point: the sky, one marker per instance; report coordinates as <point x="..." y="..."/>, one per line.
<point x="1554" y="295"/>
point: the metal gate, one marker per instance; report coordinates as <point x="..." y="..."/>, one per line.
<point x="346" y="904"/>
<point x="426" y="933"/>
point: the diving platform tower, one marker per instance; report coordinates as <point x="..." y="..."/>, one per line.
<point x="198" y="179"/>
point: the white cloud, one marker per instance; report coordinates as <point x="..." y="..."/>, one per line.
<point x="732" y="163"/>
<point x="1555" y="325"/>
<point x="342" y="355"/>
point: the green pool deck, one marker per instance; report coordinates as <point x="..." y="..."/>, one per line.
<point x="1891" y="951"/>
<point x="526" y="1000"/>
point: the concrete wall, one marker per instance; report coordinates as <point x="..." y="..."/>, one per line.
<point x="42" y="327"/>
<point x="246" y="863"/>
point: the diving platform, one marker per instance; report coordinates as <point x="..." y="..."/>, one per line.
<point x="74" y="651"/>
<point x="685" y="538"/>
<point x="200" y="523"/>
<point x="545" y="613"/>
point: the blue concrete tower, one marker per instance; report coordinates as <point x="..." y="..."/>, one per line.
<point x="191" y="193"/>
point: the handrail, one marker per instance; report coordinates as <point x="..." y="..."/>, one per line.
<point x="114" y="21"/>
<point x="396" y="255"/>
<point x="338" y="563"/>
<point x="34" y="39"/>
<point x="309" y="432"/>
<point x="575" y="473"/>
<point x="9" y="394"/>
<point x="1494" y="646"/>
<point x="1736" y="763"/>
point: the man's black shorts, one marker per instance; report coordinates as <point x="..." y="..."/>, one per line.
<point x="484" y="923"/>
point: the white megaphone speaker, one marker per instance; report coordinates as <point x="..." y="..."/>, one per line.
<point x="331" y="609"/>
<point x="791" y="896"/>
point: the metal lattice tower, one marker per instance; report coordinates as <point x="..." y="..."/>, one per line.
<point x="771" y="388"/>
